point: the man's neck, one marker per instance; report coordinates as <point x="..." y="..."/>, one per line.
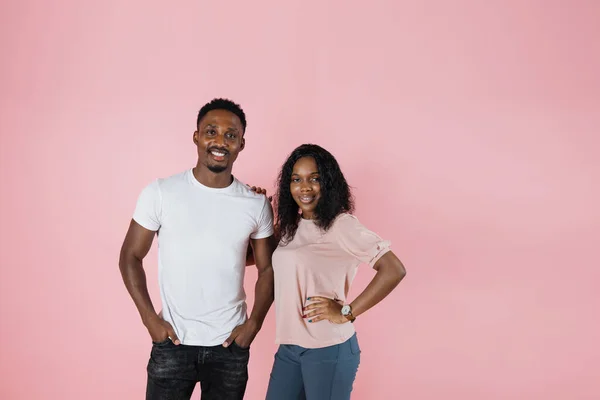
<point x="212" y="179"/>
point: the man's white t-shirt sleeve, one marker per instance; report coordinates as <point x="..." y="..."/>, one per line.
<point x="265" y="221"/>
<point x="147" y="210"/>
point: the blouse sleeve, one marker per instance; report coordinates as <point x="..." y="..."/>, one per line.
<point x="361" y="243"/>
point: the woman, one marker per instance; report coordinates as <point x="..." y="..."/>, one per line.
<point x="321" y="245"/>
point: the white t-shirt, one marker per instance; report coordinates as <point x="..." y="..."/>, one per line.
<point x="203" y="235"/>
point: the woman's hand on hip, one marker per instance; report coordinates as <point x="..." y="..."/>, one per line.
<point x="323" y="308"/>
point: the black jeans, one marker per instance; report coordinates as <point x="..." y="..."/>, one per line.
<point x="173" y="371"/>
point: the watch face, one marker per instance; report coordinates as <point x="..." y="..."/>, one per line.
<point x="346" y="310"/>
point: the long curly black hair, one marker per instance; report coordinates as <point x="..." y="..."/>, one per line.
<point x="336" y="197"/>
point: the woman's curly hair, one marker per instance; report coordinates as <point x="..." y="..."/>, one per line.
<point x="335" y="199"/>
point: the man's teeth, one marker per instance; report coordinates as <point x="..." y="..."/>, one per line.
<point x="217" y="154"/>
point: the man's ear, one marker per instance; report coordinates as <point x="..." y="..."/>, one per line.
<point x="243" y="144"/>
<point x="195" y="137"/>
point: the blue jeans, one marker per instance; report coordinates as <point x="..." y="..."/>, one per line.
<point x="314" y="374"/>
<point x="173" y="371"/>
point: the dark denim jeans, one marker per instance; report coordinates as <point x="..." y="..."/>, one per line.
<point x="173" y="371"/>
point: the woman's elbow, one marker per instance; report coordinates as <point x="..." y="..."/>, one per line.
<point x="399" y="272"/>
<point x="393" y="272"/>
<point x="396" y="268"/>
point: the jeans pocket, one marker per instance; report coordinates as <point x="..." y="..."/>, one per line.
<point x="162" y="343"/>
<point x="354" y="347"/>
<point x="237" y="346"/>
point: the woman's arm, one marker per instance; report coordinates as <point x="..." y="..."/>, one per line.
<point x="390" y="271"/>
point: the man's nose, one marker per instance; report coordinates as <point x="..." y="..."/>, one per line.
<point x="220" y="140"/>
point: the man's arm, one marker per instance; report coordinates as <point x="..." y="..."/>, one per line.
<point x="264" y="288"/>
<point x="135" y="247"/>
<point x="244" y="334"/>
<point x="249" y="255"/>
<point x="249" y="252"/>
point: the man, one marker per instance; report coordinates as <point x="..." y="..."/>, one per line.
<point x="205" y="219"/>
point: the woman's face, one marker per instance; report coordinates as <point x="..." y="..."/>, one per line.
<point x="305" y="186"/>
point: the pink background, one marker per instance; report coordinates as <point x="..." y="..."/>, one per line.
<point x="468" y="128"/>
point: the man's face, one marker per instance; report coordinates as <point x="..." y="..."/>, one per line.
<point x="219" y="139"/>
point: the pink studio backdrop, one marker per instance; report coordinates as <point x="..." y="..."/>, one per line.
<point x="469" y="130"/>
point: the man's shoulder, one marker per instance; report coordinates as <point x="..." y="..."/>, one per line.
<point x="173" y="181"/>
<point x="240" y="189"/>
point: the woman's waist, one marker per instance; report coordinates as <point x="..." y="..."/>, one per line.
<point x="298" y="331"/>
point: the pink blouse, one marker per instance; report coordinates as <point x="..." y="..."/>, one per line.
<point x="317" y="263"/>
